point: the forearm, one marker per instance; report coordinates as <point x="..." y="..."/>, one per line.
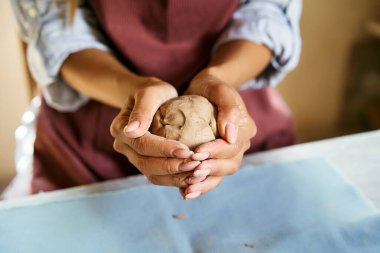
<point x="238" y="61"/>
<point x="100" y="76"/>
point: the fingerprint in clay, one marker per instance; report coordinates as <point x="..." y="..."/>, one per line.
<point x="189" y="119"/>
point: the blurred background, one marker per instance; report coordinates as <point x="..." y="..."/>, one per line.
<point x="334" y="91"/>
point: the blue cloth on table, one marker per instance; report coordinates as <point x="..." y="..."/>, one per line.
<point x="302" y="206"/>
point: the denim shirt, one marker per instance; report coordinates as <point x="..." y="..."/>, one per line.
<point x="45" y="28"/>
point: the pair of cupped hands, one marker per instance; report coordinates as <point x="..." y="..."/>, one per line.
<point x="170" y="163"/>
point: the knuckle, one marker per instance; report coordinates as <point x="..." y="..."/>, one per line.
<point x="235" y="166"/>
<point x="176" y="181"/>
<point x="150" y="90"/>
<point x="139" y="145"/>
<point x="231" y="113"/>
<point x="115" y="128"/>
<point x="247" y="145"/>
<point x="221" y="89"/>
<point x="135" y="114"/>
<point x="252" y="127"/>
<point x="146" y="92"/>
<point x="233" y="170"/>
<point x="163" y="148"/>
<point x="235" y="109"/>
<point x="141" y="163"/>
<point x="117" y="146"/>
<point x="235" y="148"/>
<point x="154" y="180"/>
<point x="170" y="166"/>
<point x="253" y="132"/>
<point x="139" y="93"/>
<point x="179" y="181"/>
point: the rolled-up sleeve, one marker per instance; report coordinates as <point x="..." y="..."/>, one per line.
<point x="51" y="39"/>
<point x="275" y="24"/>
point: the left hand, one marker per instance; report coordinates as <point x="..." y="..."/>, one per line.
<point x="162" y="161"/>
<point x="221" y="157"/>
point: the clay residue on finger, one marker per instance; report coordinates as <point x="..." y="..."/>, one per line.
<point x="188" y="119"/>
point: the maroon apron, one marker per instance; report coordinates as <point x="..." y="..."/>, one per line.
<point x="168" y="39"/>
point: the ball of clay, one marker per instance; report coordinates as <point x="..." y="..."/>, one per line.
<point x="189" y="119"/>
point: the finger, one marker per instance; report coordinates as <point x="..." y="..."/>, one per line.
<point x="194" y="180"/>
<point x="120" y="121"/>
<point x="198" y="175"/>
<point x="146" y="104"/>
<point x="157" y="146"/>
<point x="216" y="167"/>
<point x="219" y="167"/>
<point x="155" y="165"/>
<point x="182" y="191"/>
<point x="220" y="148"/>
<point x="228" y="122"/>
<point x="195" y="190"/>
<point x="227" y="101"/>
<point x="178" y="180"/>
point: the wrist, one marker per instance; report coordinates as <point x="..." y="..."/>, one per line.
<point x="206" y="78"/>
<point x="220" y="72"/>
<point x="126" y="84"/>
<point x="213" y="71"/>
<point x="238" y="61"/>
<point x="129" y="84"/>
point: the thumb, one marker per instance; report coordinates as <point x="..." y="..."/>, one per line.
<point x="145" y="106"/>
<point x="228" y="122"/>
<point x="227" y="101"/>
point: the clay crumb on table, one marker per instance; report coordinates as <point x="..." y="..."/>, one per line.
<point x="248" y="245"/>
<point x="179" y="216"/>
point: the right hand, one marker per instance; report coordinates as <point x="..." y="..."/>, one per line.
<point x="162" y="161"/>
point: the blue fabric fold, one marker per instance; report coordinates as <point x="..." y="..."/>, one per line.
<point x="302" y="206"/>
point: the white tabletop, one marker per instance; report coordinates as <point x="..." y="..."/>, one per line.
<point x="357" y="157"/>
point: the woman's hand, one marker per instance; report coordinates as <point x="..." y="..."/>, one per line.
<point x="221" y="157"/>
<point x="161" y="160"/>
<point x="100" y="76"/>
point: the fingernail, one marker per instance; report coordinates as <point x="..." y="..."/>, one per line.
<point x="131" y="126"/>
<point x="231" y="133"/>
<point x="182" y="153"/>
<point x="189" y="166"/>
<point x="200" y="156"/>
<point x="202" y="173"/>
<point x="192" y="195"/>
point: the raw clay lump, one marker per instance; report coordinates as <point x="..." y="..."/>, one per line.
<point x="189" y="119"/>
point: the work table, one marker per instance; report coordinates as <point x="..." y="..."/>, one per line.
<point x="357" y="158"/>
